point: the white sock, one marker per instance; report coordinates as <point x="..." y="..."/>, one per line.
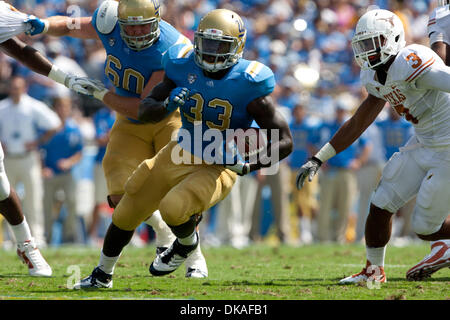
<point x="164" y="236"/>
<point x="189" y="240"/>
<point x="107" y="264"/>
<point x="22" y="231"/>
<point x="376" y="255"/>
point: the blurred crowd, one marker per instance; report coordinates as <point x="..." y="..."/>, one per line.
<point x="307" y="45"/>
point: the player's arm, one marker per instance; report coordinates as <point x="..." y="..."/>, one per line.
<point x="264" y="111"/>
<point x="436" y="78"/>
<point x="344" y="137"/>
<point x="27" y="55"/>
<point x="158" y="104"/>
<point x="441" y="48"/>
<point x="58" y="26"/>
<point x="35" y="61"/>
<point x="128" y="106"/>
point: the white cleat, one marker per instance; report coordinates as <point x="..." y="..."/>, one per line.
<point x="196" y="264"/>
<point x="369" y="273"/>
<point x="438" y="258"/>
<point x="31" y="256"/>
<point x="169" y="260"/>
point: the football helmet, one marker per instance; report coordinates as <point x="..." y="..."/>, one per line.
<point x="379" y="35"/>
<point x="219" y="40"/>
<point x="139" y="12"/>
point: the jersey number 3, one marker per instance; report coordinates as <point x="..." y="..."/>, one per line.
<point x="127" y="74"/>
<point x="197" y="109"/>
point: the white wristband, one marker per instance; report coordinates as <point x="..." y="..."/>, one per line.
<point x="46" y="26"/>
<point x="57" y="75"/>
<point x="100" y="94"/>
<point x="326" y="152"/>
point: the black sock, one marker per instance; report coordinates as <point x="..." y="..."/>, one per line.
<point x="186" y="229"/>
<point x="115" y="240"/>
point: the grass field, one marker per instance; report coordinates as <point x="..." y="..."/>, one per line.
<point x="256" y="273"/>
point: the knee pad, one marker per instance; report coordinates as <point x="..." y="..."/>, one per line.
<point x="423" y="226"/>
<point x="5" y="188"/>
<point x="173" y="210"/>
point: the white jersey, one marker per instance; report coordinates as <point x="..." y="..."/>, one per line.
<point x="11" y="21"/>
<point x="428" y="110"/>
<point x="439" y="25"/>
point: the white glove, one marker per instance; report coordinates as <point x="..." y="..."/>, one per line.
<point x="85" y="86"/>
<point x="308" y="170"/>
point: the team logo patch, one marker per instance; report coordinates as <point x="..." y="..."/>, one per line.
<point x="112" y="42"/>
<point x="210" y="83"/>
<point x="191" y="78"/>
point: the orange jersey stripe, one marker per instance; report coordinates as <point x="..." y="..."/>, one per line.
<point x="418" y="69"/>
<point x="426" y="67"/>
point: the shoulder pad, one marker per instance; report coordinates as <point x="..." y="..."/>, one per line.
<point x="257" y="72"/>
<point x="412" y="62"/>
<point x="107" y="16"/>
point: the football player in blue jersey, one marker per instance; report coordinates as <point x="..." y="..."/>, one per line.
<point x="135" y="38"/>
<point x="215" y="89"/>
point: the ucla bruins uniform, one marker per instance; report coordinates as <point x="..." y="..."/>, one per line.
<point x="185" y="189"/>
<point x="131" y="141"/>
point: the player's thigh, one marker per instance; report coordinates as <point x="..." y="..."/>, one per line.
<point x="400" y="181"/>
<point x="126" y="149"/>
<point x="433" y="200"/>
<point x="165" y="130"/>
<point x="204" y="187"/>
<point x="144" y="190"/>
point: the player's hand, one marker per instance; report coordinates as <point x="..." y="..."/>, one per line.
<point x="309" y="169"/>
<point x="239" y="165"/>
<point x="36" y="25"/>
<point x="177" y="98"/>
<point x="84" y="85"/>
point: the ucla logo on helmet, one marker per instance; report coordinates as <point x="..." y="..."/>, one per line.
<point x="157" y="6"/>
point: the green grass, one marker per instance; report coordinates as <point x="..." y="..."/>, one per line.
<point x="256" y="273"/>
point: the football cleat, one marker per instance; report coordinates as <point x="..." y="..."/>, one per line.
<point x="31" y="256"/>
<point x="172" y="258"/>
<point x="160" y="250"/>
<point x="438" y="258"/>
<point x="369" y="273"/>
<point x="196" y="265"/>
<point x="97" y="280"/>
<point x="196" y="273"/>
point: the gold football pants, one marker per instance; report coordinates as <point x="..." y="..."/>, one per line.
<point x="177" y="190"/>
<point x="130" y="144"/>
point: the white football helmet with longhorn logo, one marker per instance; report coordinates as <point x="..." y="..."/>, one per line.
<point x="379" y="35"/>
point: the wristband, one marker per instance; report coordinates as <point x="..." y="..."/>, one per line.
<point x="57" y="75"/>
<point x="326" y="152"/>
<point x="46" y="26"/>
<point x="100" y="94"/>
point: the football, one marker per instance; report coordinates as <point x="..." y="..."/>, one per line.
<point x="249" y="142"/>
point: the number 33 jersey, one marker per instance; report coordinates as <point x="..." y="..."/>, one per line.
<point x="428" y="110"/>
<point x="216" y="104"/>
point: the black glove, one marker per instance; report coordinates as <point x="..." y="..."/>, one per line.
<point x="309" y="169"/>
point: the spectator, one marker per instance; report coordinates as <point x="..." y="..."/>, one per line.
<point x="61" y="153"/>
<point x="304" y="133"/>
<point x="103" y="121"/>
<point x="338" y="181"/>
<point x="26" y="123"/>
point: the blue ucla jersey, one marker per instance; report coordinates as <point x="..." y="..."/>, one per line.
<point x="217" y="104"/>
<point x="304" y="134"/>
<point x="103" y="122"/>
<point x="63" y="145"/>
<point x="130" y="70"/>
<point x="395" y="134"/>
